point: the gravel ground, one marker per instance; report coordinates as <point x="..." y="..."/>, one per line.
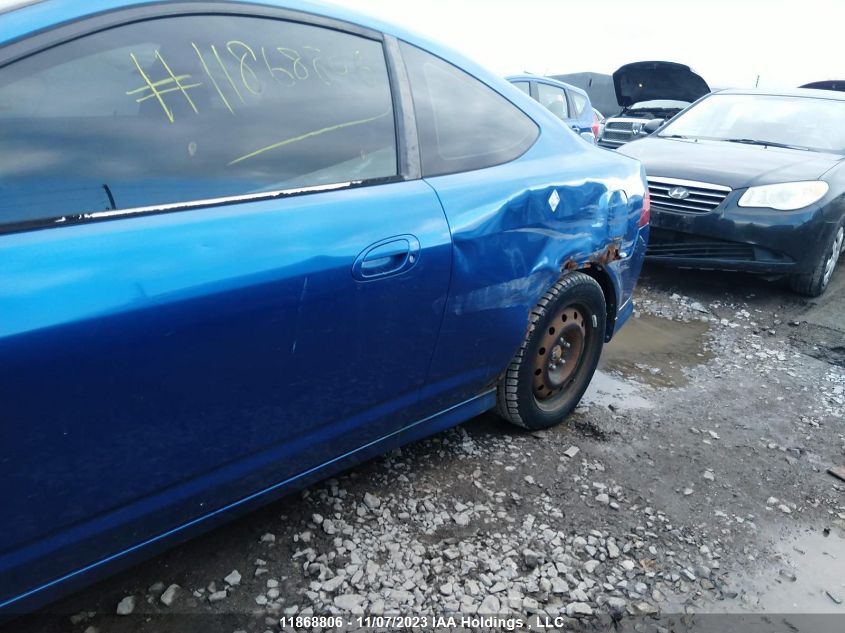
<point x="691" y="479"/>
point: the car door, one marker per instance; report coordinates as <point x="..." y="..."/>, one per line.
<point x="216" y="275"/>
<point x="553" y="98"/>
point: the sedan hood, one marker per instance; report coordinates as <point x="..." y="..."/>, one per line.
<point x="734" y="165"/>
<point x="645" y="81"/>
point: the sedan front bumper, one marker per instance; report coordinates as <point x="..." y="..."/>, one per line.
<point x="738" y="238"/>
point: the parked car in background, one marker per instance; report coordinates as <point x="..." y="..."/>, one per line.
<point x="598" y="123"/>
<point x="829" y="84"/>
<point x="751" y="180"/>
<point x="206" y="305"/>
<point x="568" y="103"/>
<point x="647" y="91"/>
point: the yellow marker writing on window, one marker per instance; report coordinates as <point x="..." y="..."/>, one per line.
<point x="157" y="89"/>
<point x="307" y="135"/>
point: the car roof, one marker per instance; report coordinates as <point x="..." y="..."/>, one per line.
<point x="547" y="80"/>
<point x="807" y="93"/>
<point x="8" y="5"/>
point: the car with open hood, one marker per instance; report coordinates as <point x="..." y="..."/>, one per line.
<point x="827" y="84"/>
<point x="647" y="91"/>
<point x="750" y="180"/>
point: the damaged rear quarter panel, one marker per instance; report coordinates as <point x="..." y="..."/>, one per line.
<point x="509" y="247"/>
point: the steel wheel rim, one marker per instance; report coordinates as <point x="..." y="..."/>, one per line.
<point x="830" y="264"/>
<point x="559" y="355"/>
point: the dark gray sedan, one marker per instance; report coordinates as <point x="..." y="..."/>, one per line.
<point x="750" y="180"/>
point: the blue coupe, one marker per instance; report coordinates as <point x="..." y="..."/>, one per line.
<point x="246" y="245"/>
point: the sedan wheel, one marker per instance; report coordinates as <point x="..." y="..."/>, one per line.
<point x="833" y="257"/>
<point x="816" y="282"/>
<point x="554" y="366"/>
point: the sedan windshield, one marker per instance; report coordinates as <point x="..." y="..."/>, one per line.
<point x="781" y="121"/>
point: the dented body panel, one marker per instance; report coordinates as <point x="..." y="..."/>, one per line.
<point x="510" y="245"/>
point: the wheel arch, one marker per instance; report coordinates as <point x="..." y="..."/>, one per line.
<point x="608" y="287"/>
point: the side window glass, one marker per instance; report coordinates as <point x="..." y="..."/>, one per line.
<point x="523" y="85"/>
<point x="554" y="99"/>
<point x="189" y="108"/>
<point x="579" y="102"/>
<point x="462" y="123"/>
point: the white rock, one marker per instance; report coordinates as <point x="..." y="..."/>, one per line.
<point x="559" y="585"/>
<point x="268" y="538"/>
<point x="590" y="566"/>
<point x="349" y="601"/>
<point x="333" y="584"/>
<point x="490" y="606"/>
<point x="612" y="550"/>
<point x="126" y="606"/>
<point x="578" y="608"/>
<point x="603" y="498"/>
<point x="233" y="579"/>
<point x="627" y="565"/>
<point x="785" y="508"/>
<point x="217" y="596"/>
<point x="572" y="451"/>
<point x="169" y="595"/>
<point x="371" y="501"/>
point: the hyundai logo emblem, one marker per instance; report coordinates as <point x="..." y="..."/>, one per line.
<point x="679" y="193"/>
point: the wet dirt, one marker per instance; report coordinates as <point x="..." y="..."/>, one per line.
<point x="656" y="351"/>
<point x="609" y="391"/>
<point x="806" y="573"/>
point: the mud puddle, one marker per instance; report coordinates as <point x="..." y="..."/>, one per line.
<point x="807" y="577"/>
<point x="608" y="391"/>
<point x="656" y="351"/>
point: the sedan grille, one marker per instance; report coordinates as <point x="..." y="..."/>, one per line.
<point x="618" y="133"/>
<point x="703" y="250"/>
<point x="685" y="196"/>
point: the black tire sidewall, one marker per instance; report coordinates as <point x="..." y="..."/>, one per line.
<point x="813" y="285"/>
<point x="589" y="296"/>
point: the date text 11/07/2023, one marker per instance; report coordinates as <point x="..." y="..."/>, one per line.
<point x="423" y="623"/>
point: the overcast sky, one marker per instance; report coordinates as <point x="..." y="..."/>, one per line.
<point x="728" y="42"/>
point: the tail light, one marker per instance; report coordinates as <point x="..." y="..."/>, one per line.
<point x="645" y="216"/>
<point x="595" y="126"/>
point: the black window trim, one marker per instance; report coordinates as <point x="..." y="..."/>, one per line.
<point x="407" y="146"/>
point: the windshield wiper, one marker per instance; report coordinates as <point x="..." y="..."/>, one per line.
<point x="674" y="136"/>
<point x="751" y="141"/>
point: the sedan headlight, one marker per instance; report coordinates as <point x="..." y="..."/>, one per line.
<point x="786" y="196"/>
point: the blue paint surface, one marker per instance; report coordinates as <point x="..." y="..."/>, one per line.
<point x="161" y="374"/>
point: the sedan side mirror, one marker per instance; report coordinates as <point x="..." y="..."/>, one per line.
<point x="652" y="126"/>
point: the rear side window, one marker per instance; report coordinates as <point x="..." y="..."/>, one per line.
<point x="579" y="102"/>
<point x="190" y="108"/>
<point x="523" y="85"/>
<point x="462" y="123"/>
<point x="554" y="100"/>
